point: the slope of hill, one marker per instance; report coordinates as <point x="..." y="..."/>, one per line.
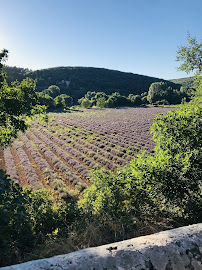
<point x="77" y="81"/>
<point x="185" y="82"/>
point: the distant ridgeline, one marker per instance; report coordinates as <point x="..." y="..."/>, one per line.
<point x="185" y="82"/>
<point x="77" y="81"/>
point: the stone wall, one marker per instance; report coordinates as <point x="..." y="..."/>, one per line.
<point x="178" y="249"/>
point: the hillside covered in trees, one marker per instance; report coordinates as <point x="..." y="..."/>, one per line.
<point x="77" y="81"/>
<point x="185" y="82"/>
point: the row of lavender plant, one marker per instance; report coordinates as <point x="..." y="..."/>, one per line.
<point x="30" y="173"/>
<point x="76" y="165"/>
<point x="101" y="147"/>
<point x="10" y="165"/>
<point x="105" y="144"/>
<point x="83" y="158"/>
<point x="41" y="162"/>
<point x="57" y="163"/>
<point x="129" y="125"/>
<point x="109" y="143"/>
<point x="96" y="152"/>
<point x="52" y="178"/>
<point x="123" y="142"/>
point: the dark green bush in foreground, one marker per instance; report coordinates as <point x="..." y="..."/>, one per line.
<point x="16" y="235"/>
<point x="28" y="218"/>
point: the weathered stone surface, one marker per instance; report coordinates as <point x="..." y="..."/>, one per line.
<point x="178" y="249"/>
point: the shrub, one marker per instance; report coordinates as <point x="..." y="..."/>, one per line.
<point x="15" y="226"/>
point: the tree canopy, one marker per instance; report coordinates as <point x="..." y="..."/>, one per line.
<point x="190" y="55"/>
<point x="17" y="102"/>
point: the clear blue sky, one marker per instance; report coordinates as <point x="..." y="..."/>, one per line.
<point x="127" y="35"/>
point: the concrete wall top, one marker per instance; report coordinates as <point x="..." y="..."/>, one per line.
<point x="177" y="249"/>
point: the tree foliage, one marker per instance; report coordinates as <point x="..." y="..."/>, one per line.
<point x="17" y="102"/>
<point x="101" y="102"/>
<point x="190" y="55"/>
<point x="16" y="233"/>
<point x="178" y="139"/>
<point x="45" y="99"/>
<point x="161" y="92"/>
<point x="85" y="103"/>
<point x="63" y="101"/>
<point x="52" y="91"/>
<point x="77" y="81"/>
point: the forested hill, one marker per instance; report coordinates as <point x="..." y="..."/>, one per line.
<point x="185" y="82"/>
<point x="77" y="81"/>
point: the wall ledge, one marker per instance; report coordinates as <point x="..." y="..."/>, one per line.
<point x="177" y="249"/>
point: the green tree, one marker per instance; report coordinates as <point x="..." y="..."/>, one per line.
<point x="159" y="91"/>
<point x="116" y="100"/>
<point x="63" y="101"/>
<point x="101" y="102"/>
<point x="135" y="99"/>
<point x="17" y="102"/>
<point x="85" y="103"/>
<point x="90" y="95"/>
<point x="52" y="91"/>
<point x="178" y="138"/>
<point x="112" y="102"/>
<point x="101" y="95"/>
<point x="178" y="145"/>
<point x="3" y="57"/>
<point x="144" y="100"/>
<point x="46" y="100"/>
<point x="163" y="93"/>
<point x="190" y="55"/>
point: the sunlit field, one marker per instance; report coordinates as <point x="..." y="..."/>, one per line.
<point x="61" y="154"/>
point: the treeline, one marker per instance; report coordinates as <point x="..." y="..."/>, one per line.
<point x="160" y="93"/>
<point x="52" y="98"/>
<point x="185" y="82"/>
<point x="101" y="87"/>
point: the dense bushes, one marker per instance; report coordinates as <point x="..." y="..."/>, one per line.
<point x="178" y="138"/>
<point x="28" y="218"/>
<point x="101" y="100"/>
<point x="53" y="99"/>
<point x="160" y="93"/>
<point x="16" y="234"/>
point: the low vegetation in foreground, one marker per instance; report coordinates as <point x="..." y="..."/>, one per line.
<point x="154" y="191"/>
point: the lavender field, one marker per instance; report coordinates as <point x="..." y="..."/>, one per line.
<point x="60" y="155"/>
